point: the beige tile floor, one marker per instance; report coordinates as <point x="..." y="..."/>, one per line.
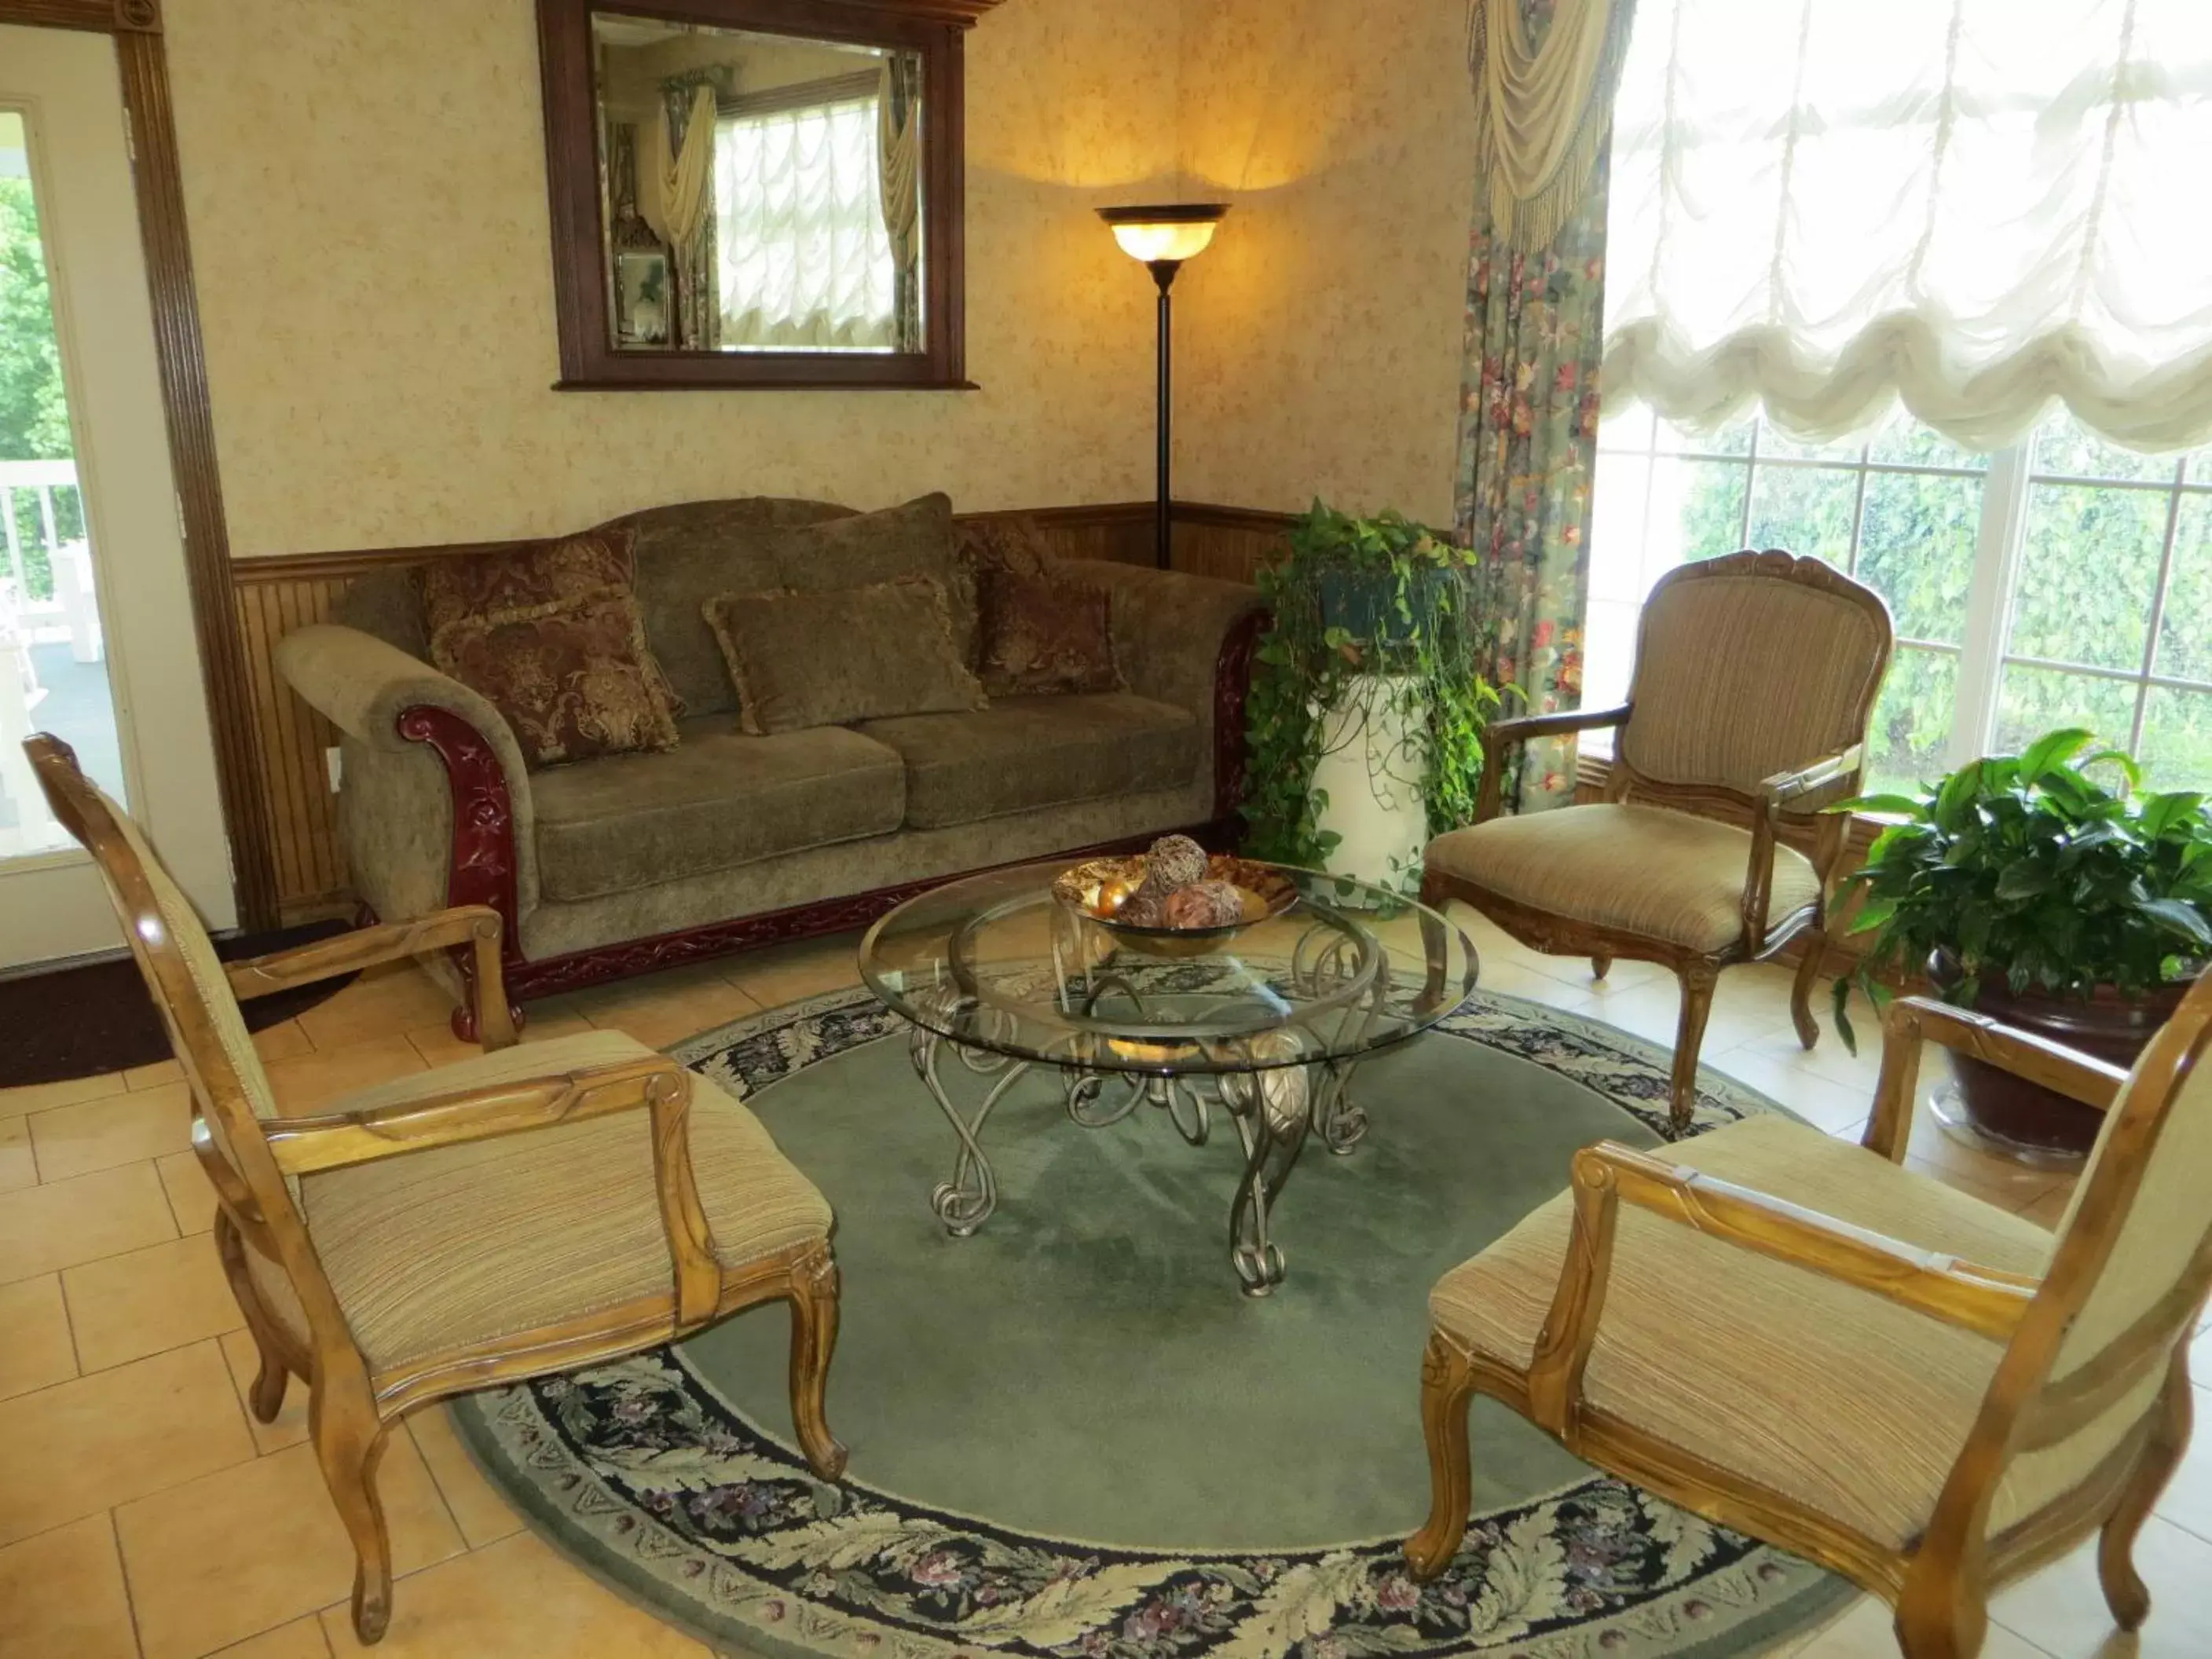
<point x="144" y="1512"/>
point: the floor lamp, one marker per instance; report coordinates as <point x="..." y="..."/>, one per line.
<point x="1162" y="237"/>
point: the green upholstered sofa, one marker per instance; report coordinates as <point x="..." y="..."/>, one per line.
<point x="624" y="864"/>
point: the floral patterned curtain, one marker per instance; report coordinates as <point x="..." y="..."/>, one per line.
<point x="1528" y="441"/>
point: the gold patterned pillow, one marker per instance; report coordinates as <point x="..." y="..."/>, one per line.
<point x="1039" y="632"/>
<point x="551" y="636"/>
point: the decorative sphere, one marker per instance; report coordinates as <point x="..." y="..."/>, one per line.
<point x="1174" y="862"/>
<point x="1204" y="904"/>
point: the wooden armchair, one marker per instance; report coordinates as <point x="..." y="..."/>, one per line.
<point x="535" y="1209"/>
<point x="1755" y="679"/>
<point x="1817" y="1346"/>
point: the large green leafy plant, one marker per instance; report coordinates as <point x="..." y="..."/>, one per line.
<point x="2025" y="869"/>
<point x="1417" y="659"/>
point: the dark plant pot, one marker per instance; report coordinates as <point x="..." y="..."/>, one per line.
<point x="1365" y="604"/>
<point x="2025" y="1118"/>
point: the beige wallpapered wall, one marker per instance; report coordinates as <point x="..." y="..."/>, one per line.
<point x="366" y="187"/>
<point x="366" y="190"/>
<point x="1321" y="333"/>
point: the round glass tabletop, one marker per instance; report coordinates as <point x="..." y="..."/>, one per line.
<point x="995" y="962"/>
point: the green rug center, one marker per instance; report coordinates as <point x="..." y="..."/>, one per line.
<point x="1085" y="1367"/>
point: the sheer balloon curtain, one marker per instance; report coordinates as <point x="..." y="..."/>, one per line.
<point x="1979" y="205"/>
<point x="805" y="260"/>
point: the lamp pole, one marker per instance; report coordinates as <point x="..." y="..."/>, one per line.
<point x="1163" y="273"/>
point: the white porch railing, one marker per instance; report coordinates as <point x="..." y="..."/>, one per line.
<point x="68" y="608"/>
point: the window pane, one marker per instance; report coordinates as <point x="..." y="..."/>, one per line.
<point x="2185" y="635"/>
<point x="2033" y="701"/>
<point x="1622" y="494"/>
<point x="1905" y="442"/>
<point x="2088" y="574"/>
<point x="1912" y="722"/>
<point x="1916" y="549"/>
<point x="2177" y="740"/>
<point x="2063" y="446"/>
<point x="1734" y="439"/>
<point x="1805" y="509"/>
<point x="1773" y="440"/>
<point x="1629" y="429"/>
<point x="1696" y="511"/>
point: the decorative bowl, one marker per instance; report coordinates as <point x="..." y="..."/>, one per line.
<point x="1098" y="887"/>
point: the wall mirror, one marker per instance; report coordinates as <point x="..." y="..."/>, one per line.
<point x="756" y="194"/>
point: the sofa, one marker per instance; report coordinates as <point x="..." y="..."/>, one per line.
<point x="627" y="863"/>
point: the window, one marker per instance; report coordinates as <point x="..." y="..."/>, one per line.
<point x="805" y="258"/>
<point x="2060" y="582"/>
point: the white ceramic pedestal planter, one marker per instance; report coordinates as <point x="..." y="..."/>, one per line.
<point x="1373" y="771"/>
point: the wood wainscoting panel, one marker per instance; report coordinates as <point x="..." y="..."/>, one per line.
<point x="275" y="595"/>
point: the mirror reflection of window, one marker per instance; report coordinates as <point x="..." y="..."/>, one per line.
<point x="776" y="177"/>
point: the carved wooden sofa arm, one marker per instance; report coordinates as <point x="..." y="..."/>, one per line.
<point x="1909" y="1022"/>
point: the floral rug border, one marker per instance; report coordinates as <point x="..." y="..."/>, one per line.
<point x="652" y="1481"/>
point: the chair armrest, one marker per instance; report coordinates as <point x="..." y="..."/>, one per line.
<point x="1909" y="1022"/>
<point x="1987" y="1300"/>
<point x="303" y="1145"/>
<point x="1775" y="794"/>
<point x="476" y="925"/>
<point x="1500" y="735"/>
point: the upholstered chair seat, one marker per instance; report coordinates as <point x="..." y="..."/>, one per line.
<point x="458" y="1246"/>
<point x="1797" y="1376"/>
<point x="1641" y="870"/>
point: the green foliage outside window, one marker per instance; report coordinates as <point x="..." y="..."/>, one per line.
<point x="33" y="415"/>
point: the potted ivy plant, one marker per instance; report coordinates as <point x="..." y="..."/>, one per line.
<point x="1365" y="719"/>
<point x="2023" y="886"/>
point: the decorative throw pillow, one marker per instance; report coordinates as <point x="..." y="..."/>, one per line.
<point x="801" y="660"/>
<point x="550" y="636"/>
<point x="914" y="539"/>
<point x="1040" y="632"/>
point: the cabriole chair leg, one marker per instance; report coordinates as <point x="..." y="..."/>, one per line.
<point x="813" y="1338"/>
<point x="1446" y="1386"/>
<point x="2125" y="1593"/>
<point x="1801" y="988"/>
<point x="1697" y="980"/>
<point x="349" y="1450"/>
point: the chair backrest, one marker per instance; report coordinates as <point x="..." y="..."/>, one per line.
<point x="230" y="1091"/>
<point x="2129" y="1278"/>
<point x="1749" y="666"/>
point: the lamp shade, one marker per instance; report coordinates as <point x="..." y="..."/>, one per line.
<point x="1168" y="232"/>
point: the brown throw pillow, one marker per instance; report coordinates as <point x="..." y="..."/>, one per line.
<point x="801" y="660"/>
<point x="1041" y="632"/>
<point x="914" y="539"/>
<point x="550" y="636"/>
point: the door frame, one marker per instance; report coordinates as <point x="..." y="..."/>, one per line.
<point x="157" y="180"/>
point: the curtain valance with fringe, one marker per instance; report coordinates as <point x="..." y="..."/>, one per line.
<point x="1543" y="96"/>
<point x="1977" y="206"/>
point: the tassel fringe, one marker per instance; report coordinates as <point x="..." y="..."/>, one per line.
<point x="1531" y="223"/>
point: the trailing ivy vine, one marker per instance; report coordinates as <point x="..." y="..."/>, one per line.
<point x="1411" y="587"/>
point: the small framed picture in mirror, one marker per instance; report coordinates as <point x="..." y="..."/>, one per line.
<point x="640" y="297"/>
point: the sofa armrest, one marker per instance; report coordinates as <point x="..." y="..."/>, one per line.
<point x="410" y="717"/>
<point x="1186" y="640"/>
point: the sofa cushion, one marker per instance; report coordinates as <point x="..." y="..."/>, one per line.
<point x="719" y="799"/>
<point x="1026" y="752"/>
<point x="685" y="555"/>
<point x="835" y="657"/>
<point x="1038" y="631"/>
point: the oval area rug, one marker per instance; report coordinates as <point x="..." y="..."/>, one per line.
<point x="1071" y="1435"/>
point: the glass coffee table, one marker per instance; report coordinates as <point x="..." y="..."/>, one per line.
<point x="1265" y="1027"/>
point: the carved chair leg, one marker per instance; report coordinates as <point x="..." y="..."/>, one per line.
<point x="348" y="1443"/>
<point x="1698" y="978"/>
<point x="2125" y="1591"/>
<point x="813" y="1338"/>
<point x="1801" y="988"/>
<point x="266" y="1397"/>
<point x="1599" y="966"/>
<point x="1447" y="1384"/>
<point x="1941" y="1616"/>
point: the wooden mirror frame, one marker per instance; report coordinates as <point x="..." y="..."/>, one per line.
<point x="933" y="29"/>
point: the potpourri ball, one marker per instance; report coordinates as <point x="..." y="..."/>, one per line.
<point x="1204" y="904"/>
<point x="1174" y="862"/>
